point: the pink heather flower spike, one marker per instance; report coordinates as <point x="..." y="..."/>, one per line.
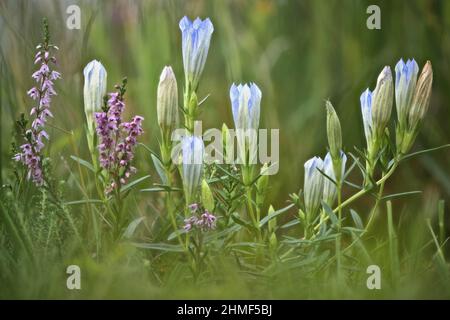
<point x="42" y="93"/>
<point x="206" y="222"/>
<point x="117" y="139"/>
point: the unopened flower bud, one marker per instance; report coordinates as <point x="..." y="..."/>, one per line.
<point x="405" y="84"/>
<point x="193" y="104"/>
<point x="272" y="224"/>
<point x="95" y="76"/>
<point x="382" y="99"/>
<point x="167" y="101"/>
<point x="207" y="196"/>
<point x="313" y="185"/>
<point x="262" y="185"/>
<point x="333" y="131"/>
<point x="421" y="97"/>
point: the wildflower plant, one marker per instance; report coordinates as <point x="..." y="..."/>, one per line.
<point x="30" y="154"/>
<point x="117" y="141"/>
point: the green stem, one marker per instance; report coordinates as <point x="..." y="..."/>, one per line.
<point x="374" y="211"/>
<point x="356" y="196"/>
<point x="169" y="206"/>
<point x="362" y="192"/>
<point x="338" y="238"/>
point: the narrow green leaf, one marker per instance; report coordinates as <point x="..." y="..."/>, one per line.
<point x="133" y="183"/>
<point x="132" y="227"/>
<point x="84" y="201"/>
<point x="243" y="223"/>
<point x="175" y="234"/>
<point x="290" y="223"/>
<point x="274" y="214"/>
<point x="401" y="194"/>
<point x="160" y="246"/>
<point x="160" y="169"/>
<point x="413" y="154"/>
<point x="223" y="233"/>
<point x="330" y="213"/>
<point x="83" y="163"/>
<point x="357" y="219"/>
<point x="157" y="189"/>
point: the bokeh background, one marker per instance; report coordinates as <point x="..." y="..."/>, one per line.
<point x="300" y="53"/>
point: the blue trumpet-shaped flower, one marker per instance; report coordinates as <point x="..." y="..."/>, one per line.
<point x="245" y="105"/>
<point x="405" y="84"/>
<point x="192" y="149"/>
<point x="196" y="36"/>
<point x="366" y="111"/>
<point x="313" y="185"/>
<point x="376" y="108"/>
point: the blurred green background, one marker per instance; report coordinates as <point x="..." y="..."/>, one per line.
<point x="300" y="53"/>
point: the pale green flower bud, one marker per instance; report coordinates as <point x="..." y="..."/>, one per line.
<point x="95" y="76"/>
<point x="272" y="224"/>
<point x="207" y="197"/>
<point x="421" y="97"/>
<point x="262" y="185"/>
<point x="382" y="100"/>
<point x="167" y="102"/>
<point x="333" y="131"/>
<point x="273" y="242"/>
<point x="227" y="145"/>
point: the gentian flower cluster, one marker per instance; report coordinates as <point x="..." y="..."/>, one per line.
<point x="318" y="187"/>
<point x="42" y="94"/>
<point x="412" y="98"/>
<point x="205" y="222"/>
<point x="117" y="139"/>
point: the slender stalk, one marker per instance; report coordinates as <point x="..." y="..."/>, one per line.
<point x="441" y="217"/>
<point x="169" y="206"/>
<point x="375" y="207"/>
<point x="393" y="244"/>
<point x="356" y="196"/>
<point x="338" y="238"/>
<point x="362" y="192"/>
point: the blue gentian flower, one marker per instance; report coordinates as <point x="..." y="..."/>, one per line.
<point x="245" y="106"/>
<point x="196" y="36"/>
<point x="192" y="151"/>
<point x="313" y="185"/>
<point x="366" y="111"/>
<point x="405" y="84"/>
